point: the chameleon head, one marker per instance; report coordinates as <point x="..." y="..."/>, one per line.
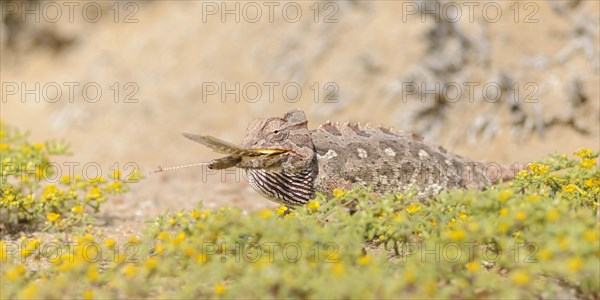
<point x="290" y="134"/>
<point x="286" y="171"/>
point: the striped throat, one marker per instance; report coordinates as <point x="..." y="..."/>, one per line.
<point x="284" y="187"/>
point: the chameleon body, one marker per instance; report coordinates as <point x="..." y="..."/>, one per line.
<point x="287" y="163"/>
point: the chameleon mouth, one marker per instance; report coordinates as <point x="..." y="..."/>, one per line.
<point x="265" y="151"/>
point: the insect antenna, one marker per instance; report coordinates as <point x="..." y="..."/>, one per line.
<point x="161" y="169"/>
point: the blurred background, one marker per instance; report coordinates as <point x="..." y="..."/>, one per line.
<point x="498" y="81"/>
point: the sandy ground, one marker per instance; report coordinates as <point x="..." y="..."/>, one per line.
<point x="178" y="64"/>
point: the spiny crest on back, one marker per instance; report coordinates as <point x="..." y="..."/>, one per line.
<point x="366" y="130"/>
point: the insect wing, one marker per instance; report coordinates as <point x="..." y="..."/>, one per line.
<point x="216" y="144"/>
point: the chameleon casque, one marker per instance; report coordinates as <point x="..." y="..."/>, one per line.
<point x="287" y="163"/>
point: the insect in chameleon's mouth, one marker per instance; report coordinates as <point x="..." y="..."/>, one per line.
<point x="251" y="154"/>
<point x="264" y="151"/>
<point x="237" y="156"/>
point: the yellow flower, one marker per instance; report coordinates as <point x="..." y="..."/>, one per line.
<point x="583" y="152"/>
<point x="398" y="217"/>
<point x="338" y="269"/>
<point x="92" y="273"/>
<point x="265" y="213"/>
<point x="522" y="173"/>
<point x="219" y="289"/>
<point x="8" y="198"/>
<point x="364" y="260"/>
<point x="26" y="150"/>
<point x="52" y="217"/>
<point x="201" y="258"/>
<point x="38" y="146"/>
<point x="15" y="273"/>
<point x="49" y="192"/>
<point x="590" y="235"/>
<point x="504" y="195"/>
<point x="520" y="278"/>
<point x="98" y="179"/>
<point x="110" y="242"/>
<point x="179" y="238"/>
<point x="88" y="294"/>
<point x="544" y="254"/>
<point x="115" y="186"/>
<point x="503" y="211"/>
<point x="32" y="244"/>
<point x="521" y="215"/>
<point x="288" y="216"/>
<point x="472" y="267"/>
<point x="129" y="270"/>
<point x="94" y="193"/>
<point x="77" y="209"/>
<point x="591" y="182"/>
<point x="461" y="215"/>
<point x="574" y="264"/>
<point x="588" y="163"/>
<point x="281" y="209"/>
<point x="135" y="176"/>
<point x="431" y="287"/>
<point x="134" y="239"/>
<point x="29" y="292"/>
<point x="87" y="238"/>
<point x="41" y="172"/>
<point x="570" y="188"/>
<point x="539" y="169"/>
<point x="25" y="252"/>
<point x="562" y="243"/>
<point x="151" y="263"/>
<point x="313" y="205"/>
<point x="338" y="193"/>
<point x="409" y="276"/>
<point x="433" y="222"/>
<point x="189" y="251"/>
<point x="413" y="209"/>
<point x="116" y="174"/>
<point x="534" y="198"/>
<point x="65" y="179"/>
<point x="452" y="222"/>
<point x="195" y="214"/>
<point x="2" y="251"/>
<point x="456" y="235"/>
<point x="552" y="215"/>
<point x="163" y="235"/>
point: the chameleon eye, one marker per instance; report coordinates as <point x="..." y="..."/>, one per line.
<point x="277" y="135"/>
